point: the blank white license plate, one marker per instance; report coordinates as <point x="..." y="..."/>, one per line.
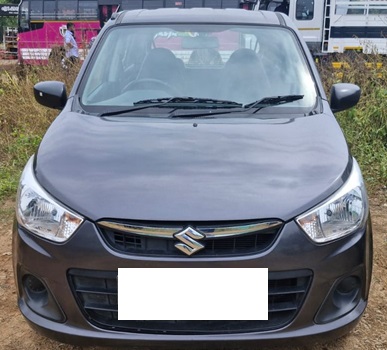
<point x="192" y="294"/>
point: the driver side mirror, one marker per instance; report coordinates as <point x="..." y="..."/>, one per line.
<point x="51" y="94"/>
<point x="344" y="96"/>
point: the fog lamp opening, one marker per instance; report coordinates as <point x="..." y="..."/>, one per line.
<point x="342" y="299"/>
<point x="39" y="299"/>
<point x="346" y="291"/>
<point x="35" y="289"/>
<point x="33" y="285"/>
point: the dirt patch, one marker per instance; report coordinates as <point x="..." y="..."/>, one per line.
<point x="370" y="334"/>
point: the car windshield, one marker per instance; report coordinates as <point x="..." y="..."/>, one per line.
<point x="205" y="66"/>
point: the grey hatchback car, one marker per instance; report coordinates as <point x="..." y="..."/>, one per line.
<point x="194" y="138"/>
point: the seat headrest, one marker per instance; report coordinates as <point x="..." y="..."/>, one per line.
<point x="243" y="56"/>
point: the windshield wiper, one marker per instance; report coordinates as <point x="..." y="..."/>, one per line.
<point x="262" y="103"/>
<point x="133" y="109"/>
<point x="192" y="102"/>
<point x="272" y="101"/>
<point x="188" y="101"/>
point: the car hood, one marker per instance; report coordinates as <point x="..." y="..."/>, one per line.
<point x="185" y="170"/>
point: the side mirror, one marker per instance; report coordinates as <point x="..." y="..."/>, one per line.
<point x="344" y="96"/>
<point x="51" y="94"/>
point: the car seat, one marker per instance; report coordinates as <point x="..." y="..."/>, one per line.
<point x="205" y="57"/>
<point x="162" y="64"/>
<point x="243" y="77"/>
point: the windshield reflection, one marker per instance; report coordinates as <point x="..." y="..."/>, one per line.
<point x="217" y="62"/>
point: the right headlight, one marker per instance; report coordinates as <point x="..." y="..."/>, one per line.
<point x="40" y="213"/>
<point x="339" y="215"/>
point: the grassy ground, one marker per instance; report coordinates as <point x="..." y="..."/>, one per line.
<point x="365" y="126"/>
<point x="22" y="120"/>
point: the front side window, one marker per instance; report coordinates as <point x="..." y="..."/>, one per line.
<point x="36" y="9"/>
<point x="49" y="9"/>
<point x="87" y="9"/>
<point x="242" y="64"/>
<point x="24" y="18"/>
<point x="304" y="10"/>
<point x="67" y="9"/>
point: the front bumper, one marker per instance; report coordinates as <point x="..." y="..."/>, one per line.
<point x="319" y="318"/>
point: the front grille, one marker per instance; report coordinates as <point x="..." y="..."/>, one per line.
<point x="96" y="294"/>
<point x="153" y="245"/>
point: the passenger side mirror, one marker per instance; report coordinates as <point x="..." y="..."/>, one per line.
<point x="344" y="96"/>
<point x="51" y="94"/>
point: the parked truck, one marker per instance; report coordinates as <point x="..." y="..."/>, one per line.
<point x="330" y="26"/>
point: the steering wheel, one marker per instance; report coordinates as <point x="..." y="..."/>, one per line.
<point x="148" y="83"/>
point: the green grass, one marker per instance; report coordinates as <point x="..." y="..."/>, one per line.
<point x="23" y="121"/>
<point x="20" y="147"/>
<point x="365" y="126"/>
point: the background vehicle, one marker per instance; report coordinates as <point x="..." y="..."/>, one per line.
<point x="338" y="25"/>
<point x="327" y="26"/>
<point x="42" y="24"/>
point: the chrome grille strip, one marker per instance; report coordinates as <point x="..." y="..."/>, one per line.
<point x="209" y="231"/>
<point x="164" y="232"/>
<point x="227" y="231"/>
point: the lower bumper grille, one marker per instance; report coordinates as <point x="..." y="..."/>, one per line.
<point x="96" y="294"/>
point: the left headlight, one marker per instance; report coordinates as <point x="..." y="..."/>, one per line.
<point x="41" y="214"/>
<point x="339" y="215"/>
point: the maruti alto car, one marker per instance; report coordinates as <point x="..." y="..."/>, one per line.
<point x="194" y="138"/>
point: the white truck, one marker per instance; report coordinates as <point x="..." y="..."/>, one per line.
<point x="330" y="26"/>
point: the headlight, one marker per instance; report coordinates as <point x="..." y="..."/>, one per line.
<point x="39" y="213"/>
<point x="341" y="214"/>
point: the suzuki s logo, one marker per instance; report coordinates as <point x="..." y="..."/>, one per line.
<point x="189" y="238"/>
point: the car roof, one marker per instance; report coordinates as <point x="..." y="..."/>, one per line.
<point x="202" y="15"/>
